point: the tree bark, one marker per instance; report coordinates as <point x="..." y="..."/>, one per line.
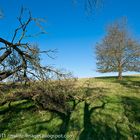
<point x="6" y="74"/>
<point x="120" y="72"/>
<point x="4" y="55"/>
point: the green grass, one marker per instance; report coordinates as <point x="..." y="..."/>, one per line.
<point x="118" y="119"/>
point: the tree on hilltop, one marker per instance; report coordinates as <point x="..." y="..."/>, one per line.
<point x="118" y="51"/>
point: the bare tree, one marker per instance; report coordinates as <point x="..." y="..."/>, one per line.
<point x="20" y="59"/>
<point x="118" y="51"/>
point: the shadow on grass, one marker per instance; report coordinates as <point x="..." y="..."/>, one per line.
<point x="98" y="130"/>
<point x="130" y="84"/>
<point x="10" y="113"/>
<point x="39" y="126"/>
<point x="107" y="78"/>
<point x="132" y="112"/>
<point x="91" y="131"/>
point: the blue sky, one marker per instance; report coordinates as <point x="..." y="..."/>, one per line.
<point x="70" y="30"/>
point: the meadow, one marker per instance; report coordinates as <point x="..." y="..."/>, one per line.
<point x="110" y="111"/>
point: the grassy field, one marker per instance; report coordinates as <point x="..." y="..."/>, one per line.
<point x="111" y="112"/>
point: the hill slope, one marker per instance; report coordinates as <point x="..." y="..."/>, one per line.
<point x="111" y="111"/>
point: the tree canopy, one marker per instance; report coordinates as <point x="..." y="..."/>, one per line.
<point x="118" y="51"/>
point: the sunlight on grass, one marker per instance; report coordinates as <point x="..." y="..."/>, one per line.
<point x="118" y="119"/>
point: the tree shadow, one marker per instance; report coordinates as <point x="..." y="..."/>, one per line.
<point x="10" y="113"/>
<point x="132" y="112"/>
<point x="130" y="82"/>
<point x="107" y="78"/>
<point x="98" y="130"/>
<point x="127" y="81"/>
<point x="13" y="113"/>
<point x="39" y="126"/>
<point x="88" y="133"/>
<point x="65" y="117"/>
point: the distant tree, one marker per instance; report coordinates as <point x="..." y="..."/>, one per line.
<point x="118" y="51"/>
